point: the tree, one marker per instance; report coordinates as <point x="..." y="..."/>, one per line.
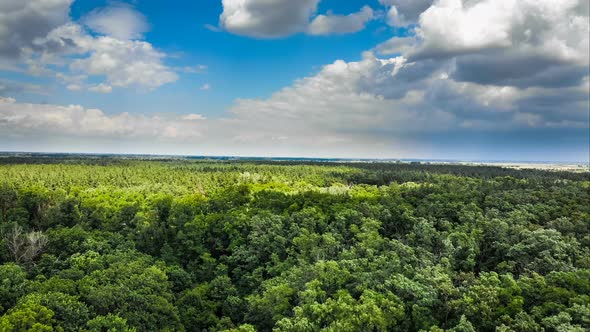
<point x="129" y="285"/>
<point x="24" y="247"/>
<point x="68" y="314"/>
<point x="490" y="297"/>
<point x="108" y="323"/>
<point x="12" y="285"/>
<point x="28" y="316"/>
<point x="463" y="326"/>
<point x="8" y="200"/>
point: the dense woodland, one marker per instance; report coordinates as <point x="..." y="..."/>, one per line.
<point x="107" y="244"/>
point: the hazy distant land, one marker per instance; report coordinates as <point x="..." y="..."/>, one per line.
<point x="541" y="165"/>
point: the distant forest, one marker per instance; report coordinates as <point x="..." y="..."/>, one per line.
<point x="123" y="244"/>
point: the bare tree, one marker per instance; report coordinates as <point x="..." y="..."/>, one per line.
<point x="16" y="242"/>
<point x="36" y="242"/>
<point x="24" y="247"/>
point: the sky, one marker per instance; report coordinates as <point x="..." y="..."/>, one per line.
<point x="429" y="79"/>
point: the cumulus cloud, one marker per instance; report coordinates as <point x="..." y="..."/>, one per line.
<point x="123" y="63"/>
<point x="483" y="66"/>
<point x="387" y="96"/>
<point x="193" y="117"/>
<point x="340" y="24"/>
<point x="346" y="109"/>
<point x="74" y="87"/>
<point x="24" y="119"/>
<point x="396" y="45"/>
<point x="514" y="43"/>
<point x="473" y="72"/>
<point x="280" y="18"/>
<point x="369" y="108"/>
<point x="266" y="18"/>
<point x="10" y="87"/>
<point x="119" y="21"/>
<point x="23" y="21"/>
<point x="39" y="35"/>
<point x="405" y="12"/>
<point x="101" y="88"/>
<point x="456" y="27"/>
<point x="338" y="103"/>
<point x="382" y="102"/>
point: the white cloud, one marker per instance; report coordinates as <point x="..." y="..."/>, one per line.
<point x="123" y="63"/>
<point x="211" y="27"/>
<point x="503" y="42"/>
<point x="73" y="87"/>
<point x="126" y="63"/>
<point x="119" y="21"/>
<point x="405" y="12"/>
<point x="23" y="21"/>
<point x="39" y="34"/>
<point x="205" y="87"/>
<point x="370" y="108"/>
<point x="193" y="117"/>
<point x="480" y="66"/>
<point x="198" y="69"/>
<point x="280" y="18"/>
<point x="340" y="24"/>
<point x="392" y="99"/>
<point x="455" y="27"/>
<point x="71" y="79"/>
<point x="344" y="98"/>
<point x="46" y="120"/>
<point x="266" y="18"/>
<point x="101" y="88"/>
<point x="14" y="87"/>
<point x="396" y="45"/>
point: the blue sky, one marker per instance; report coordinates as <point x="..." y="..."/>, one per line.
<point x="238" y="67"/>
<point x="446" y="79"/>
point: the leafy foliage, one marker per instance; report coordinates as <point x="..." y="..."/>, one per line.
<point x="107" y="244"/>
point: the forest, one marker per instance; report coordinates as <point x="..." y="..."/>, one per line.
<point x="134" y="244"/>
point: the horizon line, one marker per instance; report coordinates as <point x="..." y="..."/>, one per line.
<point x="300" y="158"/>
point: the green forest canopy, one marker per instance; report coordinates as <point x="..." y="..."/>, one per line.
<point x="111" y="244"/>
